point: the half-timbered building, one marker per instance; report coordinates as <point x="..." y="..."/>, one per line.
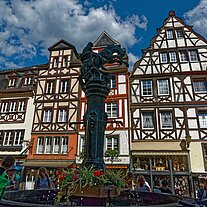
<point x="54" y="142"/>
<point x="116" y="147"/>
<point x="168" y="97"/>
<point x="16" y="110"/>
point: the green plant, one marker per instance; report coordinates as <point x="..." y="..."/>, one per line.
<point x="72" y="178"/>
<point x="112" y="154"/>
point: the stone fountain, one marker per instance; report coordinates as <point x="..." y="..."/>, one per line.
<point x="94" y="80"/>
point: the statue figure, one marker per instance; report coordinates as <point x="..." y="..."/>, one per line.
<point x="94" y="80"/>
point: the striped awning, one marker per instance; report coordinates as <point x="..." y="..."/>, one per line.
<point x="159" y="153"/>
<point x="47" y="163"/>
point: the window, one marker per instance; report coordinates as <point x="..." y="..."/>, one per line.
<point x="65" y="61"/>
<point x="200" y="86"/>
<point x="163" y="87"/>
<point x="169" y="34"/>
<point x="21" y="106"/>
<point x="55" y="62"/>
<point x="8" y="138"/>
<point x="40" y="145"/>
<point x="56" y="145"/>
<point x="179" y="33"/>
<point x="28" y="81"/>
<point x="48" y="145"/>
<point x="172" y="57"/>
<point x="82" y="143"/>
<point x="166" y="120"/>
<point x="148" y="120"/>
<point x="13" y="106"/>
<point x="193" y="56"/>
<point x="47" y="115"/>
<point x="183" y="56"/>
<point x="112" y="110"/>
<point x="112" y="83"/>
<point x="18" y="138"/>
<point x="4" y="107"/>
<point x="202" y="116"/>
<point x="64" y="145"/>
<point x="12" y="82"/>
<point x="146" y="88"/>
<point x="163" y="57"/>
<point x="62" y="115"/>
<point x="64" y="86"/>
<point x="112" y="143"/>
<point x="50" y="87"/>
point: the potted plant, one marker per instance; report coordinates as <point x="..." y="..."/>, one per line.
<point x="88" y="182"/>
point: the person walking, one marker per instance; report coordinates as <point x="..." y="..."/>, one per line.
<point x="43" y="181"/>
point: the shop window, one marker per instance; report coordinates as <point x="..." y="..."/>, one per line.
<point x="200" y="85"/>
<point x="166" y="120"/>
<point x="148" y="120"/>
<point x="163" y="57"/>
<point x="179" y="163"/>
<point x="163" y="87"/>
<point x="146" y="87"/>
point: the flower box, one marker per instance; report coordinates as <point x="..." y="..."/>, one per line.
<point x="97" y="191"/>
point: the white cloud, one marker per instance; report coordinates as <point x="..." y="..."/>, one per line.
<point x="197" y="17"/>
<point x="132" y="60"/>
<point x="28" y="25"/>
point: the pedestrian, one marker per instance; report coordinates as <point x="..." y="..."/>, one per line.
<point x="156" y="188"/>
<point x="201" y="191"/>
<point x="129" y="181"/>
<point x="43" y="181"/>
<point x="12" y="181"/>
<point x="165" y="188"/>
<point x="141" y="185"/>
<point x="6" y="163"/>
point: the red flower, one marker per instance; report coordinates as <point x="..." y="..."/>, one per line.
<point x="102" y="172"/>
<point x="61" y="178"/>
<point x="115" y="179"/>
<point x="97" y="173"/>
<point x="76" y="171"/>
<point x="75" y="177"/>
<point x="59" y="173"/>
<point x="70" y="166"/>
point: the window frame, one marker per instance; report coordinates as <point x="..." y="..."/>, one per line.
<point x="111" y="109"/>
<point x="161" y="123"/>
<point x="53" y="149"/>
<point x="153" y="120"/>
<point x="158" y="88"/>
<point x="142" y="88"/>
<point x="204" y="121"/>
<point x="114" y="144"/>
<point x="65" y="63"/>
<point x="171" y="36"/>
<point x="181" y="57"/>
<point x="50" y="138"/>
<point x="172" y="58"/>
<point x="63" y="115"/>
<point x="66" y="88"/>
<point x="12" y="82"/>
<point x="190" y="55"/>
<point x="50" y="89"/>
<point x="19" y="139"/>
<point x="55" y="61"/>
<point x="201" y="80"/>
<point x="178" y="32"/>
<point x="63" y="138"/>
<point x="163" y="57"/>
<point x="43" y="115"/>
<point x="39" y="139"/>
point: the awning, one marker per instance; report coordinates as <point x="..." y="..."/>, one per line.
<point x="159" y="153"/>
<point x="47" y="163"/>
<point x="117" y="167"/>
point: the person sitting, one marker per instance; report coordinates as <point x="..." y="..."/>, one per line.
<point x="141" y="185"/>
<point x="165" y="188"/>
<point x="43" y="181"/>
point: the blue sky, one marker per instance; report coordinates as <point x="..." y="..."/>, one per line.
<point x="29" y="27"/>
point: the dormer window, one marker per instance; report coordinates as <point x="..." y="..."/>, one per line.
<point x="169" y="34"/>
<point x="12" y="82"/>
<point x="28" y="81"/>
<point x="179" y="33"/>
<point x="55" y="62"/>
